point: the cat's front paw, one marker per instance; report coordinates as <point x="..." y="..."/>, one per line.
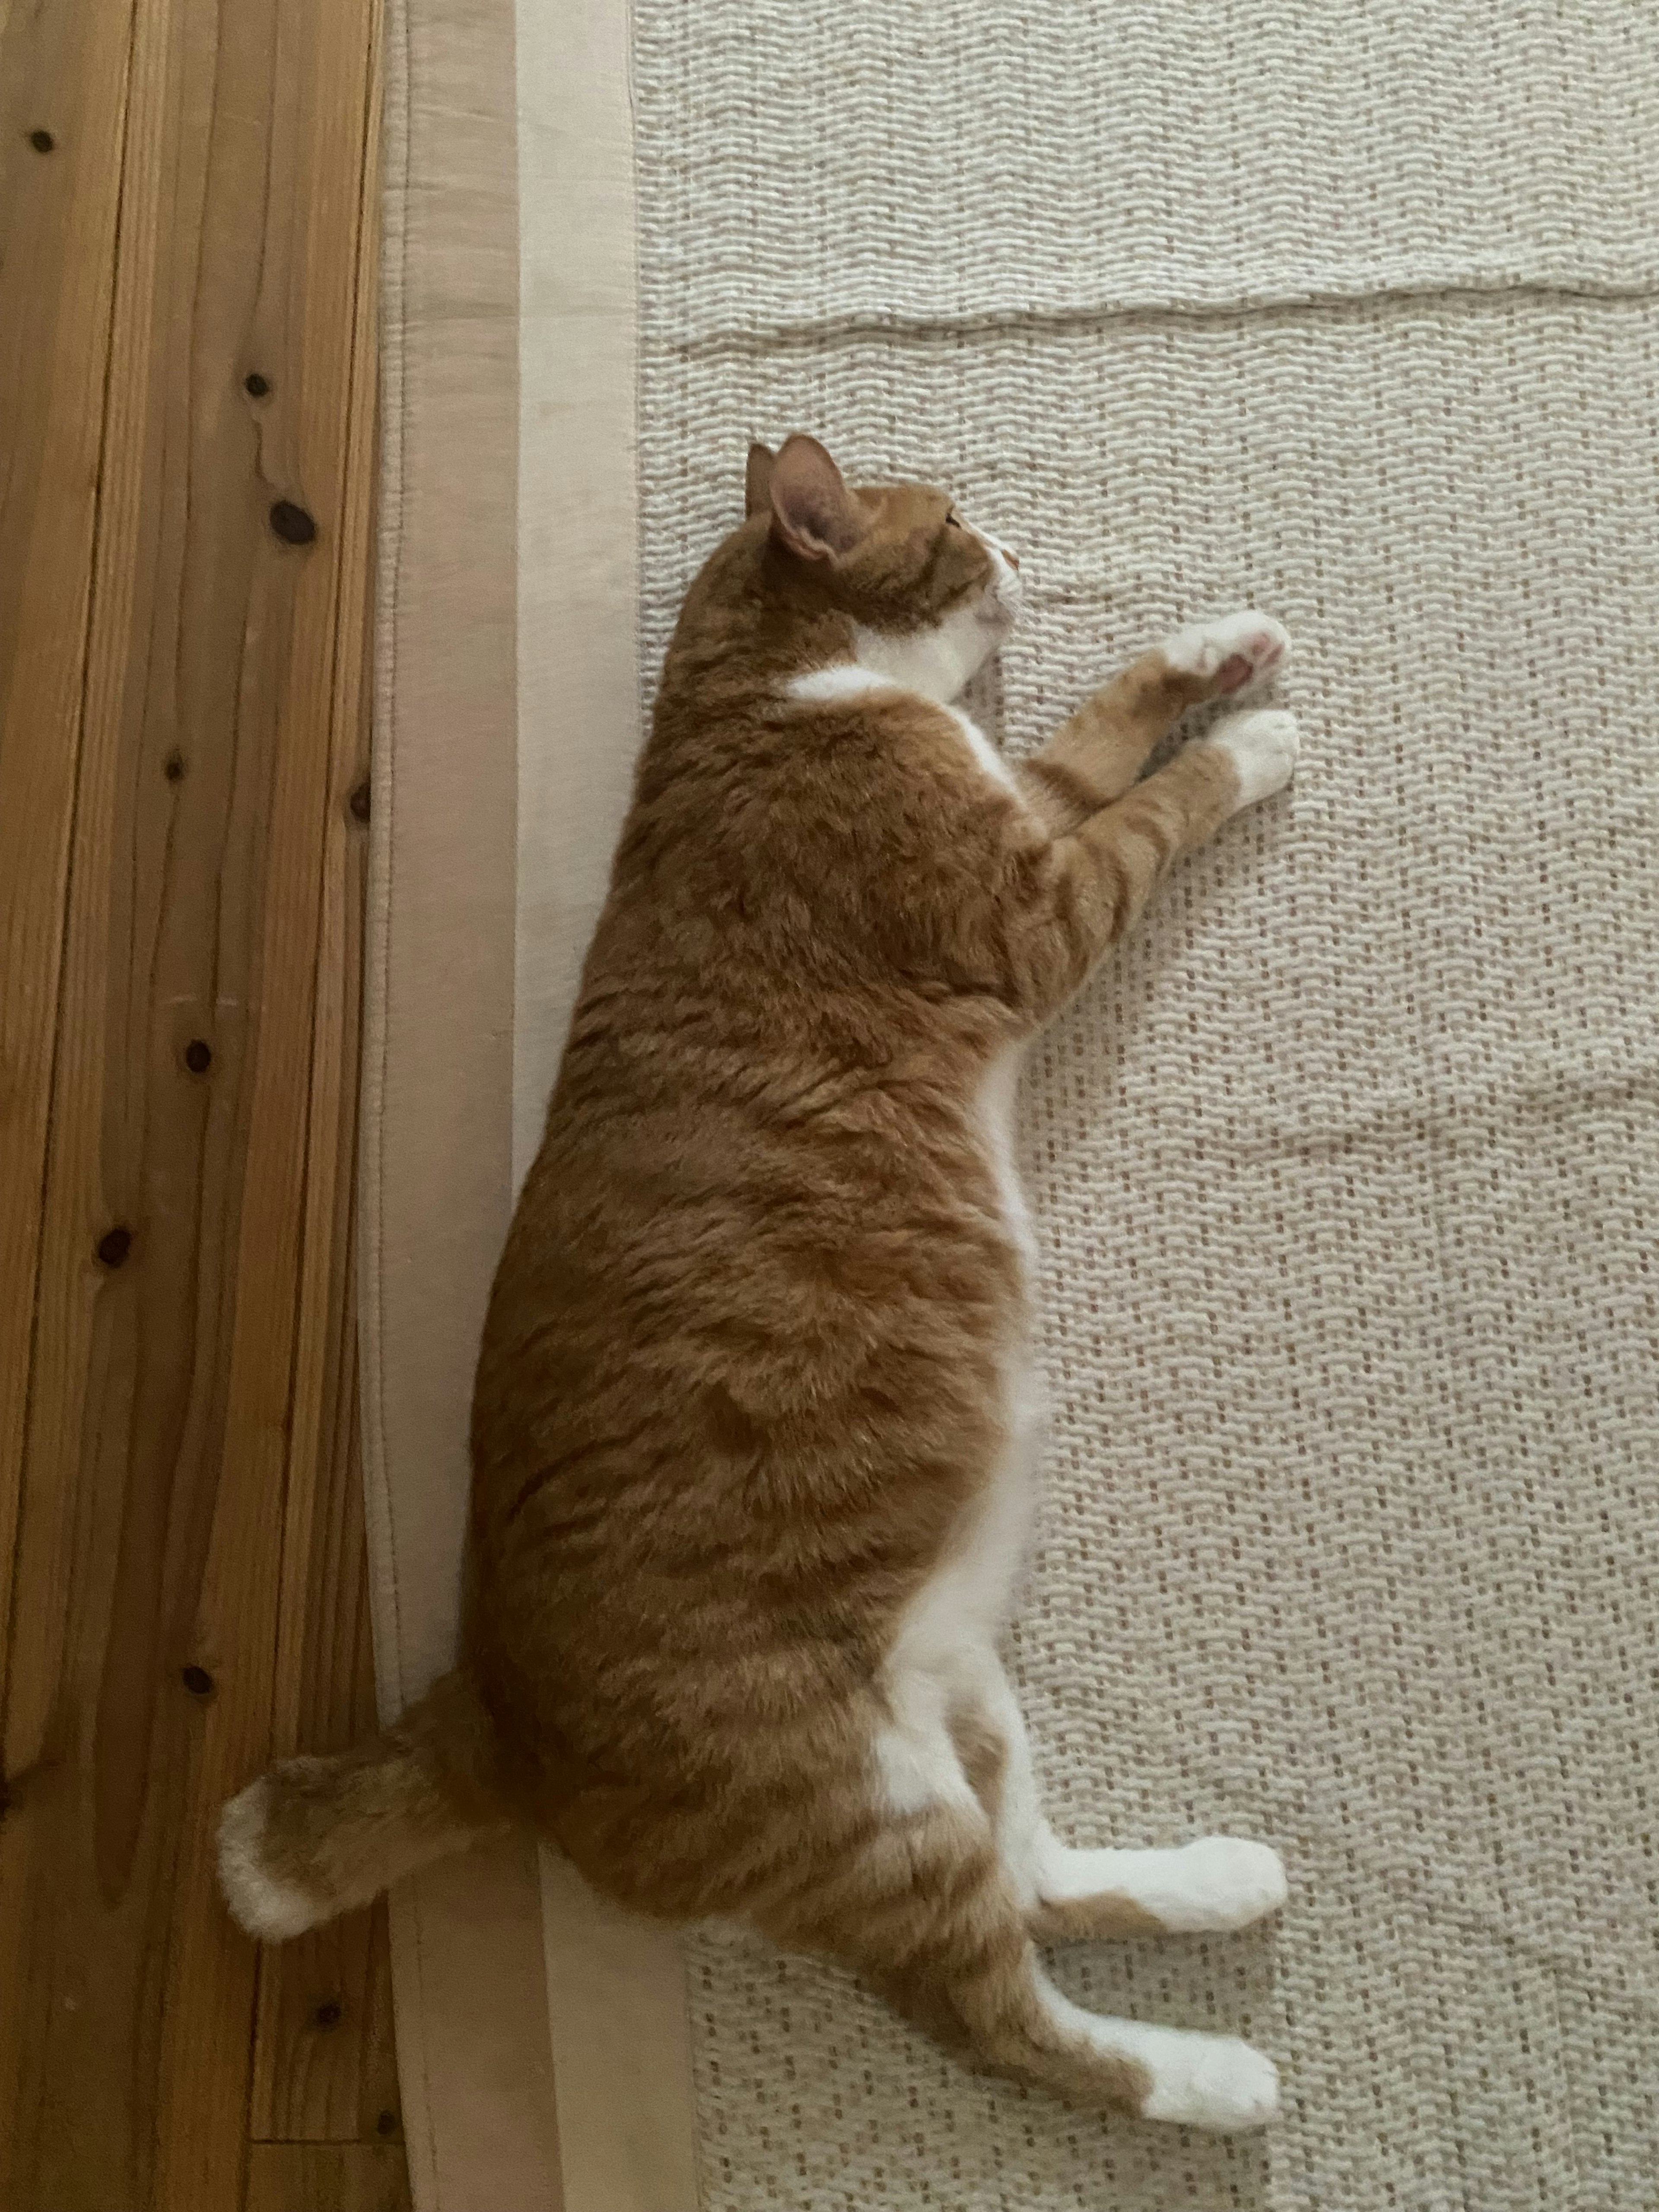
<point x="1231" y="653"/>
<point x="1262" y="747"/>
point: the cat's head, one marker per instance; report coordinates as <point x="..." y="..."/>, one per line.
<point x="930" y="596"/>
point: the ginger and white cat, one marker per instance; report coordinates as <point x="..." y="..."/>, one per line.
<point x="754" y="1421"/>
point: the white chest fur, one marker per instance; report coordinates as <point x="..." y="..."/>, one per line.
<point x="850" y="679"/>
<point x="983" y="749"/>
<point x="995" y="1107"/>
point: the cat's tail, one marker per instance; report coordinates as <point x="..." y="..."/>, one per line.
<point x="314" y="1837"/>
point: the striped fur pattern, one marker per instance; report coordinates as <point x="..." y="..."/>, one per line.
<point x="756" y="1422"/>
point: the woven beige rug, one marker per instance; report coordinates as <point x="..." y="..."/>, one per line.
<point x="1345" y="1172"/>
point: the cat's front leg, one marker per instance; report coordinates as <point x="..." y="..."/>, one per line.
<point x="1095" y="757"/>
<point x="1097" y="881"/>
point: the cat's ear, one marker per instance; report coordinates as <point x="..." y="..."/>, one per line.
<point x="813" y="513"/>
<point x="757" y="480"/>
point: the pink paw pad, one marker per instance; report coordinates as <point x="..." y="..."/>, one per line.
<point x="1231" y="652"/>
<point x="1256" y="656"/>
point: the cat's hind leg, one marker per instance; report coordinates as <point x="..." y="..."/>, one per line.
<point x="916" y="1895"/>
<point x="1215" y="1885"/>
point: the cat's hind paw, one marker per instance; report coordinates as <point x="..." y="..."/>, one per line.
<point x="1223" y="1882"/>
<point x="1210" y="2082"/>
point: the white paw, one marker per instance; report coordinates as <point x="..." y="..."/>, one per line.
<point x="1208" y="2081"/>
<point x="1263" y="747"/>
<point x="1221" y="1882"/>
<point x="1239" y="652"/>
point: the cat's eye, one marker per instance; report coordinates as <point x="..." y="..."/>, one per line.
<point x="956" y="522"/>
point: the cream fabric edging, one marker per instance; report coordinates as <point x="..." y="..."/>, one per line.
<point x="542" y="2038"/>
<point x="616" y="1986"/>
<point x="473" y="2048"/>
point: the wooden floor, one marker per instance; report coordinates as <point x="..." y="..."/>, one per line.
<point x="187" y="393"/>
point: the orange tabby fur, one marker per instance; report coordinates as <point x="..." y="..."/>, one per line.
<point x="744" y="1380"/>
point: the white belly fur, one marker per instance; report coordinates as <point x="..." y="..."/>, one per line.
<point x="944" y="1650"/>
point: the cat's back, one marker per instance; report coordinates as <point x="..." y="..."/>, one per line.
<point x="744" y="1362"/>
<point x="750" y="1184"/>
<point x="764" y="1146"/>
<point x="762" y="1191"/>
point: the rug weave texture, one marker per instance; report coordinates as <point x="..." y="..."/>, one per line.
<point x="1344" y="1168"/>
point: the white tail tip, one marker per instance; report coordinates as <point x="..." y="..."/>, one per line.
<point x="260" y="1902"/>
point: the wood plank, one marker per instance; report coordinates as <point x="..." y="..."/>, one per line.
<point x="324" y="2065"/>
<point x="326" y="2178"/>
<point x="323" y="2061"/>
<point x="163" y="1378"/>
<point x="336" y="191"/>
<point x="62" y="73"/>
